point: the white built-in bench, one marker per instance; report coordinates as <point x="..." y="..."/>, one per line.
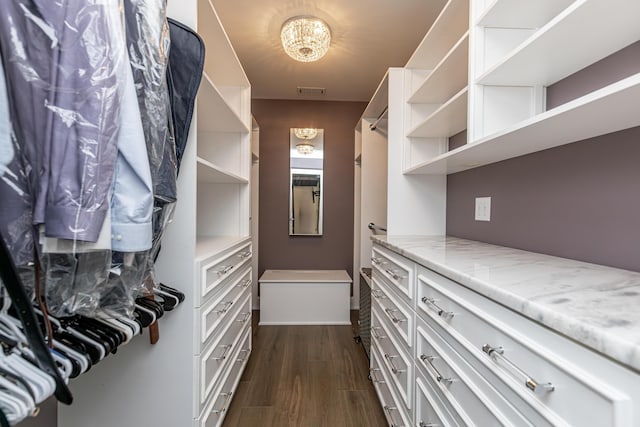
<point x="305" y="297"/>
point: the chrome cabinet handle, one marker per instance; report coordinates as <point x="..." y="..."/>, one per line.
<point x="247" y="315"/>
<point x="388" y="409"/>
<point x="428" y="361"/>
<point x="377" y="261"/>
<point x="375" y="335"/>
<point x="430" y="302"/>
<point x="393" y="274"/>
<point x="224" y="353"/>
<point x="244" y="283"/>
<point x="393" y="318"/>
<point x="227" y="305"/>
<point x="374" y="379"/>
<point x="225" y="270"/>
<point x="423" y="424"/>
<point x="227" y="398"/>
<point x="377" y="294"/>
<point x="240" y="359"/>
<point x="529" y="382"/>
<point x="393" y="366"/>
<point x="245" y="254"/>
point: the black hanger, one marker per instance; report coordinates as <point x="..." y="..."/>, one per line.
<point x="178" y="294"/>
<point x="26" y="315"/>
<point x="4" y="422"/>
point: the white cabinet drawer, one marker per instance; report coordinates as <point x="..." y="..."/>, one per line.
<point x="396" y="270"/>
<point x="398" y="364"/>
<point x="395" y="311"/>
<point x="473" y="400"/>
<point x="219" y="352"/>
<point x="217" y="270"/>
<point x="216" y="408"/>
<point x="214" y="312"/>
<point x="392" y="407"/>
<point x="431" y="411"/>
<point x="527" y="356"/>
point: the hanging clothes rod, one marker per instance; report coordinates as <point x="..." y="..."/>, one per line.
<point x="374" y="125"/>
<point x="372" y="226"/>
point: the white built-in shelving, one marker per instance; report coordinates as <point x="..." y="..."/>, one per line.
<point x="574" y="121"/>
<point x="448" y="119"/>
<point x="581" y="34"/>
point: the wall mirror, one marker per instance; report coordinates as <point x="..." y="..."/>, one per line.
<point x="306" y="188"/>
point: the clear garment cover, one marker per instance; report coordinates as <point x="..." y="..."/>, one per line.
<point x="63" y="162"/>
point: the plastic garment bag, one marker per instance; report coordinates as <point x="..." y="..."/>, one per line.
<point x="148" y="47"/>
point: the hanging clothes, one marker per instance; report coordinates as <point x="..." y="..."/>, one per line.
<point x="148" y="47"/>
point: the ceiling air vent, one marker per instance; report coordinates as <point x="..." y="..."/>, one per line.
<point x="311" y="91"/>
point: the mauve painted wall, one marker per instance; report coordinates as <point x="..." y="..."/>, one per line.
<point x="333" y="250"/>
<point x="579" y="201"/>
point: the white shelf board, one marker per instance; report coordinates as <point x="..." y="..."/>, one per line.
<point x="447" y="78"/>
<point x="210" y="173"/>
<point x="582" y="34"/>
<point x="380" y="100"/>
<point x="521" y="13"/>
<point x="207" y="246"/>
<point x="607" y="110"/>
<point x="214" y="114"/>
<point x="221" y="61"/>
<point x="449" y="119"/>
<point x="448" y="27"/>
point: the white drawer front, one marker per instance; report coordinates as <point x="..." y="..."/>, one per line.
<point x="218" y="354"/>
<point x="431" y="411"/>
<point x="215" y="311"/>
<point x="215" y="272"/>
<point x="396" y="312"/>
<point x="396" y="270"/>
<point x="399" y="365"/>
<point x="471" y="397"/>
<point x="216" y="409"/>
<point x="522" y="358"/>
<point x="396" y="416"/>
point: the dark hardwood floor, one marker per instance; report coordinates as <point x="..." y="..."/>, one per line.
<point x="305" y="376"/>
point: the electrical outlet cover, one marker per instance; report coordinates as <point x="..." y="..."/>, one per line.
<point x="483" y="209"/>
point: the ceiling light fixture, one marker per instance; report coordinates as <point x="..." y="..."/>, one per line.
<point x="305" y="133"/>
<point x="304" y="148"/>
<point x="305" y="38"/>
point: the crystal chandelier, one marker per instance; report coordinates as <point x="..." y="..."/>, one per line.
<point x="305" y="133"/>
<point x="305" y="38"/>
<point x="304" y="148"/>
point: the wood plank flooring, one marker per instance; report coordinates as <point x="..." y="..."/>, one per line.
<point x="305" y="376"/>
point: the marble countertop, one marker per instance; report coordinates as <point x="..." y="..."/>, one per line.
<point x="595" y="305"/>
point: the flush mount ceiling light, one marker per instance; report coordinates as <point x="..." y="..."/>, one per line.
<point x="305" y="133"/>
<point x="305" y="38"/>
<point x="304" y="148"/>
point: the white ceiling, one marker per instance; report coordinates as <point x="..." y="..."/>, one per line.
<point x="368" y="36"/>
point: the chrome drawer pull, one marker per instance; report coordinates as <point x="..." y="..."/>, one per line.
<point x="227" y="305"/>
<point x="393" y="366"/>
<point x="372" y="375"/>
<point x="224" y="353"/>
<point x="225" y="270"/>
<point x="393" y="318"/>
<point x="392" y="421"/>
<point x="430" y="302"/>
<point x="227" y="398"/>
<point x="244" y="283"/>
<point x="428" y="360"/>
<point x="377" y="294"/>
<point x="245" y="254"/>
<point x="393" y="274"/>
<point x="529" y="382"/>
<point x="247" y="315"/>
<point x="423" y="424"/>
<point x="377" y="261"/>
<point x="375" y="335"/>
<point x="240" y="359"/>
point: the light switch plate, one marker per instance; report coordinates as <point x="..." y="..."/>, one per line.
<point x="483" y="208"/>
